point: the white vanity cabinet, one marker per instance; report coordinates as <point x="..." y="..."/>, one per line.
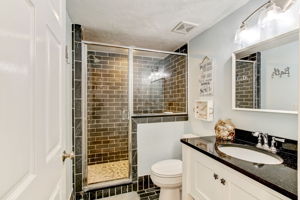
<point x="207" y="179"/>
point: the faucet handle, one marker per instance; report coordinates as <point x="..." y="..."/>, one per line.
<point x="273" y="142"/>
<point x="278" y="139"/>
<point x="265" y="134"/>
<point x="256" y="134"/>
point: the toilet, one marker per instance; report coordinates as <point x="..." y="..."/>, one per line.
<point x="167" y="175"/>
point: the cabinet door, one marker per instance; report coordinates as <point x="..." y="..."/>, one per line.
<point x="201" y="183"/>
<point x="238" y="193"/>
<point x="239" y="189"/>
<point x="207" y="182"/>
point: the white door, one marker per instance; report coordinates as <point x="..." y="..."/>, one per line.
<point x="32" y="99"/>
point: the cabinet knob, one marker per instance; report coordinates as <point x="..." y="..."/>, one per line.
<point x="223" y="181"/>
<point x="216" y="176"/>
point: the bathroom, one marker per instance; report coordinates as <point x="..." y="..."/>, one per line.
<point x="149" y="100"/>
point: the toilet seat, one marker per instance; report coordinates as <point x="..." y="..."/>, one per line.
<point x="167" y="168"/>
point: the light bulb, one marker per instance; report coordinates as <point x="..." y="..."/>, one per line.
<point x="273" y="21"/>
<point x="237" y="38"/>
<point x="269" y="15"/>
<point x="247" y="35"/>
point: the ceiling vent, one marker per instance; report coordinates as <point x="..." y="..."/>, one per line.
<point x="184" y="27"/>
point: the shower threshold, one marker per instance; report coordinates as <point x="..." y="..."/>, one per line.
<point x="106" y="172"/>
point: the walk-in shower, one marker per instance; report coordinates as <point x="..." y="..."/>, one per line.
<point x="119" y="83"/>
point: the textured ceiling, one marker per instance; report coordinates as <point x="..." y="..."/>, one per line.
<point x="147" y="23"/>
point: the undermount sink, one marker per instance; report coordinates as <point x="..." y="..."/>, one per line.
<point x="250" y="154"/>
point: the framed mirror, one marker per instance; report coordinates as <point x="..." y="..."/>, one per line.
<point x="265" y="75"/>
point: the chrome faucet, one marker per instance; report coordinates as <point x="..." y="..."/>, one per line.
<point x="266" y="141"/>
<point x="273" y="142"/>
<point x="265" y="137"/>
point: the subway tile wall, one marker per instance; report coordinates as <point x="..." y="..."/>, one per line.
<point x="143" y="185"/>
<point x="135" y="185"/>
<point x="248" y="82"/>
<point x="77" y="109"/>
<point x="108" y="98"/>
<point x="107" y="107"/>
<point x="175" y="86"/>
<point x="168" y="94"/>
<point x="244" y="85"/>
<point x="148" y="96"/>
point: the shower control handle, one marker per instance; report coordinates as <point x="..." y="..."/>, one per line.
<point x="124" y="115"/>
<point x="67" y="155"/>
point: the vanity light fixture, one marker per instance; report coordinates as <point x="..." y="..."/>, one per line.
<point x="269" y="12"/>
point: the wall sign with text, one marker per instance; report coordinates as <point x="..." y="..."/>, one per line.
<point x="206" y="77"/>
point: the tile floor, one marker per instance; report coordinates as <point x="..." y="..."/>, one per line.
<point x="108" y="171"/>
<point x="127" y="196"/>
<point x="149" y="194"/>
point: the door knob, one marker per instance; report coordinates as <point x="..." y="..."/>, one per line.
<point x="67" y="155"/>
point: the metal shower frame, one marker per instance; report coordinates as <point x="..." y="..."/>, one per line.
<point x="130" y="49"/>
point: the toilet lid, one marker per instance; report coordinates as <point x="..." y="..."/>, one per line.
<point x="168" y="168"/>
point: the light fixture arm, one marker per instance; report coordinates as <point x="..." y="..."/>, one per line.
<point x="255" y="11"/>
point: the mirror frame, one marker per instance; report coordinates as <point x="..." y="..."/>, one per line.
<point x="260" y="46"/>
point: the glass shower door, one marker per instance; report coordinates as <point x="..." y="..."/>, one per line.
<point x="106" y="108"/>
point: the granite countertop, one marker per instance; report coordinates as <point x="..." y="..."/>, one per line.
<point x="281" y="178"/>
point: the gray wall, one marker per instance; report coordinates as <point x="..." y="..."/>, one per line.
<point x="218" y="43"/>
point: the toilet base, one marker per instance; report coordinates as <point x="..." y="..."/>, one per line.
<point x="169" y="194"/>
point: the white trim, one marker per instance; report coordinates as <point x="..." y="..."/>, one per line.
<point x="266" y="110"/>
<point x="233" y="60"/>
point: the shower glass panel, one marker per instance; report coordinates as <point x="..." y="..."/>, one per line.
<point x="107" y="156"/>
<point x="160" y="82"/>
<point x="117" y="83"/>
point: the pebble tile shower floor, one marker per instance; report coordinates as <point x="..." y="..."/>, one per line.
<point x="108" y="171"/>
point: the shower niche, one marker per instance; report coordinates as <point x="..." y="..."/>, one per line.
<point x="119" y="83"/>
